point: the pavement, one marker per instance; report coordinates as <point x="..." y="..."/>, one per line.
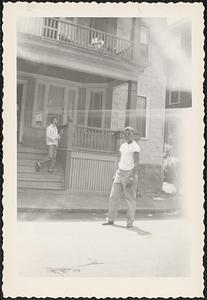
<point x="152" y="248"/>
<point x="80" y="202"/>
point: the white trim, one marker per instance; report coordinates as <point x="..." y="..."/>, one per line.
<point x="45" y="107"/>
<point x="21" y="125"/>
<point x="95" y="85"/>
<point x="76" y="105"/>
<point x="34" y="107"/>
<point x="87" y="106"/>
<point x="143" y="24"/>
<point x="62" y="81"/>
<point x="65" y="110"/>
<point x="147" y="117"/>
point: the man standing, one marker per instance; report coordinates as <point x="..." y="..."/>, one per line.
<point x="52" y="138"/>
<point x="125" y="179"/>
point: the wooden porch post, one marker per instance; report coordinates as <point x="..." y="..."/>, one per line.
<point x="69" y="142"/>
<point x="132" y="104"/>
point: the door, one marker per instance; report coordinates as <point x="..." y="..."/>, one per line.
<point x="20" y="110"/>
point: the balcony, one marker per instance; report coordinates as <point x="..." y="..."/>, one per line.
<point x="64" y="32"/>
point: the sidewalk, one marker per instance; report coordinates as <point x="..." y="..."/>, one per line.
<point x="42" y="200"/>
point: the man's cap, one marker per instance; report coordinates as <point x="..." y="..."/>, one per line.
<point x="129" y="128"/>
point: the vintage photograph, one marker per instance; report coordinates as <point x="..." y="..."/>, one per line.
<point x="98" y="108"/>
<point x="103" y="108"/>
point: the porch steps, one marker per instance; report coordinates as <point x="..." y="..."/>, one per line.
<point x="39" y="176"/>
<point x="32" y="156"/>
<point x="44" y="184"/>
<point x="27" y="149"/>
<point x="28" y="166"/>
<point x="28" y="178"/>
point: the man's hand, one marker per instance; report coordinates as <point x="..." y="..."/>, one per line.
<point x="130" y="181"/>
<point x="136" y="163"/>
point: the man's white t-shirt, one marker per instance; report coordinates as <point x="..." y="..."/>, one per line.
<point x="127" y="155"/>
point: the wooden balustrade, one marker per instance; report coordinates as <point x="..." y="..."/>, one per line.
<point x="77" y="137"/>
<point x="65" y="32"/>
<point x="91" y="138"/>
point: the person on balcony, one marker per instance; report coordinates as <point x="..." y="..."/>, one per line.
<point x="97" y="42"/>
<point x="52" y="138"/>
<point x="125" y="179"/>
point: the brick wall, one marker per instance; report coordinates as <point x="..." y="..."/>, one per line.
<point x="152" y="84"/>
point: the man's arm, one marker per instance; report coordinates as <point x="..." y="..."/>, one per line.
<point x="117" y="163"/>
<point x="136" y="163"/>
<point x="118" y="158"/>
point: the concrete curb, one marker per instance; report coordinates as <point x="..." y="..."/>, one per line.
<point x="92" y="210"/>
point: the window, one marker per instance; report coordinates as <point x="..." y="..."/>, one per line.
<point x="144" y="35"/>
<point x="95" y="109"/>
<point x="141" y="116"/>
<point x="144" y="41"/>
<point x="49" y="101"/>
<point x="186" y="98"/>
<point x="183" y="98"/>
<point x="71" y="104"/>
<point x="39" y="111"/>
<point x="174" y="97"/>
<point x="55" y="105"/>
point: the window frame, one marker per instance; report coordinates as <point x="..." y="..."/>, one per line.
<point x="148" y="45"/>
<point x="87" y="107"/>
<point x="148" y="31"/>
<point x="146" y="116"/>
<point x="170" y="96"/>
<point x="47" y="84"/>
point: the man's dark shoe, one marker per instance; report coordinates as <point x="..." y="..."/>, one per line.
<point x="129" y="225"/>
<point x="108" y="223"/>
<point x="37" y="167"/>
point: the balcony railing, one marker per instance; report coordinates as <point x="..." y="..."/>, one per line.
<point x="62" y="31"/>
<point x="93" y="139"/>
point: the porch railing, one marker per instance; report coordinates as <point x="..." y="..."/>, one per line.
<point x="76" y="137"/>
<point x="62" y="31"/>
<point x="91" y="138"/>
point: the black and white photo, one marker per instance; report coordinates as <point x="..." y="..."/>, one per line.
<point x="104" y="107"/>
